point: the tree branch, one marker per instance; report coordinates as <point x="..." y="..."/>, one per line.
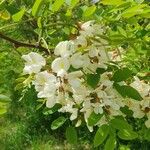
<point x="21" y="44"/>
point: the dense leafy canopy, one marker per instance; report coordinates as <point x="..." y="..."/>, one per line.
<point x="122" y="35"/>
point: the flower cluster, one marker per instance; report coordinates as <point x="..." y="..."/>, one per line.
<point x="74" y="80"/>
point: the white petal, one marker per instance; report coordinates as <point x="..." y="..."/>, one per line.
<point x="59" y="64"/>
<point x="77" y="60"/>
<point x="50" y="102"/>
<point x="64" y="48"/>
<point x="34" y="63"/>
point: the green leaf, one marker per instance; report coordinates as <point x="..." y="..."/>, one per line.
<point x="4" y="14"/>
<point x="39" y="106"/>
<point x="132" y="11"/>
<point x="110" y="143"/>
<point x="93" y="79"/>
<point x="36" y="7"/>
<point x="39" y="22"/>
<point x="49" y="111"/>
<point x="100" y="70"/>
<point x="122" y="75"/>
<point x="124" y="147"/>
<point x="101" y="135"/>
<point x="122" y="31"/>
<point x="120" y="124"/>
<point x="58" y="123"/>
<point x="17" y="17"/>
<point x="71" y="135"/>
<point x="4" y="98"/>
<point x="69" y="12"/>
<point x="3" y="111"/>
<point x="112" y="2"/>
<point x="74" y="3"/>
<point x="89" y="11"/>
<point x="147" y="134"/>
<point x="57" y="5"/>
<point x="128" y="91"/>
<point x="126" y="111"/>
<point x="94" y="118"/>
<point x="21" y="79"/>
<point x="19" y="86"/>
<point x="127" y="134"/>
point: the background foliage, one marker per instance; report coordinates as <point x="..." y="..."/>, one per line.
<point x="45" y="23"/>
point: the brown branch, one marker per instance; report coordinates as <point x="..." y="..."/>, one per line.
<point x="21" y="44"/>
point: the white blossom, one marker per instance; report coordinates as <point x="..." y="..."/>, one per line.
<point x="34" y="63"/>
<point x="64" y="49"/>
<point x="60" y="64"/>
<point x="143" y="88"/>
<point x="77" y="60"/>
<point x="66" y="82"/>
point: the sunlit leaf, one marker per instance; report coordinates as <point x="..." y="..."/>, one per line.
<point x="120" y="124"/>
<point x="126" y="134"/>
<point x="128" y="91"/>
<point x="112" y="2"/>
<point x="101" y="135"/>
<point x="94" y="118"/>
<point x="36" y="7"/>
<point x="110" y="143"/>
<point x="89" y="11"/>
<point x="17" y="17"/>
<point x="39" y="23"/>
<point x="122" y="31"/>
<point x="132" y="11"/>
<point x="4" y="98"/>
<point x="4" y="14"/>
<point x="49" y="111"/>
<point x="74" y="3"/>
<point x="3" y="111"/>
<point x="57" y="5"/>
<point x="71" y="135"/>
<point x="58" y="123"/>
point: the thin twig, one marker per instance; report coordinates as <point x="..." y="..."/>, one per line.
<point x="21" y="44"/>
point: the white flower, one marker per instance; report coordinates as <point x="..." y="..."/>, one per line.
<point x="51" y="101"/>
<point x="60" y="64"/>
<point x="135" y="107"/>
<point x="147" y="122"/>
<point x="141" y="87"/>
<point x="102" y="121"/>
<point x="93" y="51"/>
<point x="77" y="60"/>
<point x="103" y="59"/>
<point x="64" y="48"/>
<point x="88" y="67"/>
<point x="34" y="63"/>
<point x="45" y="84"/>
<point x="48" y="90"/>
<point x="87" y="28"/>
<point x="87" y="109"/>
<point x="98" y="108"/>
<point x="87" y="25"/>
<point x="42" y="79"/>
<point x="145" y="103"/>
<point x="78" y="123"/>
<point x="81" y="41"/>
<point x="74" y="114"/>
<point x="114" y="112"/>
<point x="69" y="108"/>
<point x="75" y="74"/>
